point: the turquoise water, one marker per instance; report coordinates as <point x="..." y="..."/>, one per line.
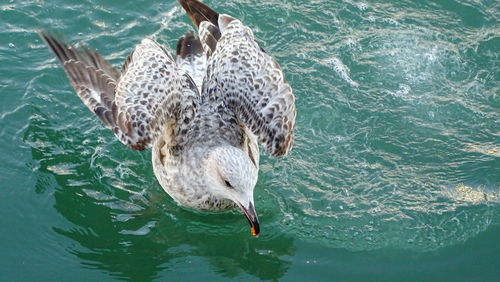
<point x="395" y="173"/>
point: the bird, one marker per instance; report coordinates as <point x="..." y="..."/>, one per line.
<point x="203" y="114"/>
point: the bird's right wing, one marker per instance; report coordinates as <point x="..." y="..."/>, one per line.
<point x="150" y="92"/>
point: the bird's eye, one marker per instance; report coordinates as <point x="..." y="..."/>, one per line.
<point x="228" y="184"/>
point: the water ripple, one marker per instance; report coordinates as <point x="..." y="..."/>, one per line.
<point x="396" y="141"/>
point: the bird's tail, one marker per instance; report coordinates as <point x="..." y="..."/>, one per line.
<point x="189" y="45"/>
<point x="190" y="58"/>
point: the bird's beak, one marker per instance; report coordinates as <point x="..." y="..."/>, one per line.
<point x="251" y="216"/>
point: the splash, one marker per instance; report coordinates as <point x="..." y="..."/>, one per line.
<point x="341" y="69"/>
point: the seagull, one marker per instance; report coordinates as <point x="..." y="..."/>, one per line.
<point x="202" y="114"/>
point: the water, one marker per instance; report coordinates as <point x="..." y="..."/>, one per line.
<point x="395" y="174"/>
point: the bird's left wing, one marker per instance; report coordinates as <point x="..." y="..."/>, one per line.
<point x="250" y="82"/>
<point x="244" y="77"/>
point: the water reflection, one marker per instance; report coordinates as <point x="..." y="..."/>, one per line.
<point x="122" y="223"/>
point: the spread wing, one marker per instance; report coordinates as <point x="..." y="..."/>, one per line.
<point x="247" y="79"/>
<point x="135" y="104"/>
<point x="252" y="85"/>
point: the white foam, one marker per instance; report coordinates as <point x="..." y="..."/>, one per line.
<point x="341" y="69"/>
<point x="403" y="90"/>
<point x="361" y="6"/>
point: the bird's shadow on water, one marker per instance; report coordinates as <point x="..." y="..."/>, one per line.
<point x="167" y="245"/>
<point x="125" y="225"/>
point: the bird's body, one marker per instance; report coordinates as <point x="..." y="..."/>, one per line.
<point x="202" y="114"/>
<point x="183" y="167"/>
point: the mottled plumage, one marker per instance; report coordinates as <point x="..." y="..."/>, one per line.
<point x="202" y="113"/>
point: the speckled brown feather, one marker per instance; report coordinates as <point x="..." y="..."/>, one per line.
<point x="135" y="105"/>
<point x="251" y="84"/>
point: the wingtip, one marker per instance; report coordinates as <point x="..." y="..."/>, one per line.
<point x="58" y="47"/>
<point x="46" y="36"/>
<point x="199" y="12"/>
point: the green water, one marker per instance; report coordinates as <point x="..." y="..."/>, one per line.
<point x="395" y="173"/>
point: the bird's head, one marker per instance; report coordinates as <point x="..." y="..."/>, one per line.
<point x="232" y="175"/>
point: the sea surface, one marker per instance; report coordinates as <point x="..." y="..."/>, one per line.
<point x="394" y="175"/>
